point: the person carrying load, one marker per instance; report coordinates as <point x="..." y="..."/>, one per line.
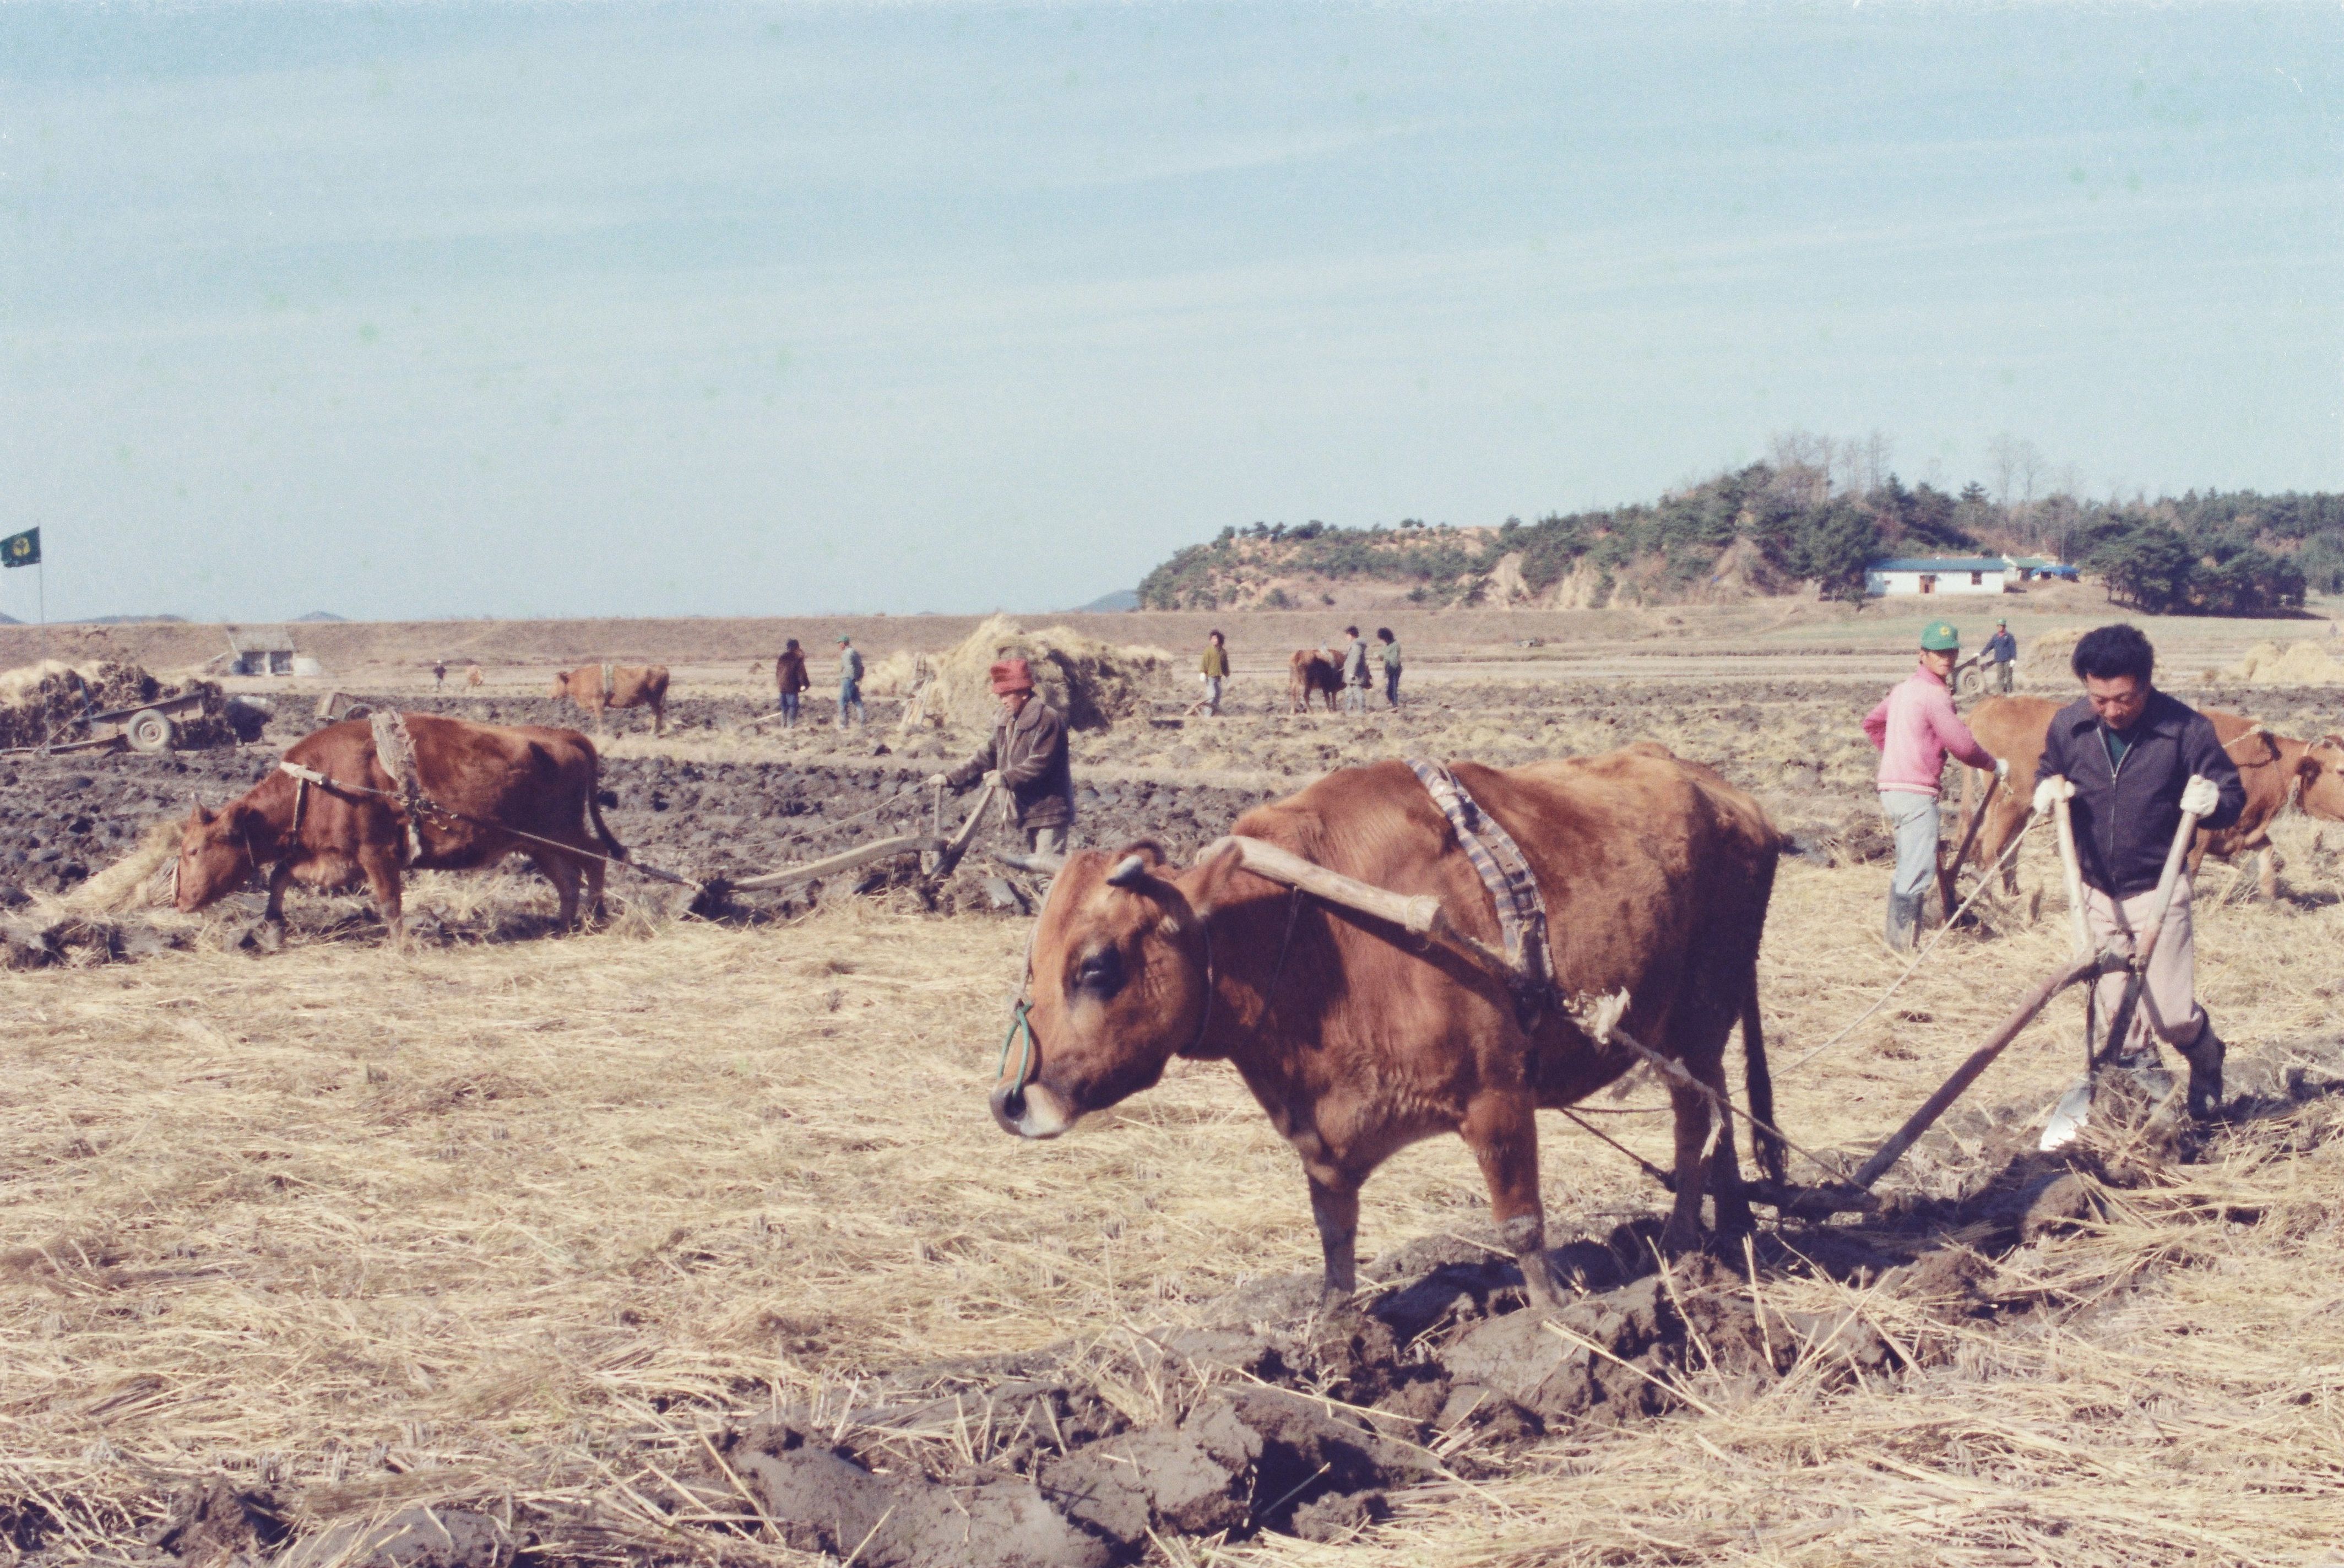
<point x="1027" y="755"/>
<point x="1913" y="728"/>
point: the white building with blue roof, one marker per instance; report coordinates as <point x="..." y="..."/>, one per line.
<point x="1939" y="574"/>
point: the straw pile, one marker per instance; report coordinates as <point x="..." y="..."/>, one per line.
<point x="47" y="700"/>
<point x="2303" y="664"/>
<point x="1092" y="682"/>
<point x="2047" y="654"/>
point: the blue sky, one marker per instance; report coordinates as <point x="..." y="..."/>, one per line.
<point x="569" y="309"/>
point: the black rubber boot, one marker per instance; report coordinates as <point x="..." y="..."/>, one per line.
<point x="2204" y="1056"/>
<point x="1903" y="922"/>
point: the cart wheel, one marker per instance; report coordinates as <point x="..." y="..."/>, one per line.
<point x="1972" y="681"/>
<point x="150" y="731"/>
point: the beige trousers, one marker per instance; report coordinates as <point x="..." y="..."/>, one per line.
<point x="2169" y="1002"/>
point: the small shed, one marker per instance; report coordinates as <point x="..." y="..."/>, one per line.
<point x="1931" y="575"/>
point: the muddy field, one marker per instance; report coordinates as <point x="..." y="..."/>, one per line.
<point x="691" y="1240"/>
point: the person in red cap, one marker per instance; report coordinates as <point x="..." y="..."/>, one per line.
<point x="1027" y="755"/>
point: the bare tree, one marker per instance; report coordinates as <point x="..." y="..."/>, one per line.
<point x="2004" y="451"/>
<point x="2031" y="469"/>
<point x="1801" y="464"/>
<point x="1876" y="452"/>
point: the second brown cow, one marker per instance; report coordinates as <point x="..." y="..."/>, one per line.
<point x="495" y="782"/>
<point x="1312" y="673"/>
<point x="2276" y="770"/>
<point x="596" y="687"/>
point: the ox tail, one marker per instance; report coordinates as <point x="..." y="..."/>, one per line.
<point x="1759" y="1087"/>
<point x="1789" y="845"/>
<point x="597" y="797"/>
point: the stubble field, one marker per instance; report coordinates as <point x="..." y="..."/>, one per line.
<point x="556" y="1236"/>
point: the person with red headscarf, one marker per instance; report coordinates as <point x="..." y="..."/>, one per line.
<point x="1027" y="755"/>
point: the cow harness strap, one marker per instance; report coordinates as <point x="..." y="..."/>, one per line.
<point x="609" y="684"/>
<point x="1513" y="890"/>
<point x="395" y="750"/>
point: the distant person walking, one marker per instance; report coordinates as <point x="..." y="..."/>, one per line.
<point x="1914" y="727"/>
<point x="850" y="684"/>
<point x="1027" y="755"/>
<point x="1356" y="679"/>
<point x="439" y="674"/>
<point x="1214" y="669"/>
<point x="791" y="680"/>
<point x="2001" y="658"/>
<point x="1391" y="665"/>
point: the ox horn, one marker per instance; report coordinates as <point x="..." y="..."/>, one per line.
<point x="1129" y="872"/>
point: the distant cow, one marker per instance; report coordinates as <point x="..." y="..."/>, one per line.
<point x="472" y="677"/>
<point x="2273" y="768"/>
<point x="595" y="687"/>
<point x="1312" y="670"/>
<point x="505" y="780"/>
<point x="1655" y="874"/>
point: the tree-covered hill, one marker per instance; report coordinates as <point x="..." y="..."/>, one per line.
<point x="1780" y="528"/>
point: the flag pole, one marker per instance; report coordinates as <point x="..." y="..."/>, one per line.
<point x="41" y="598"/>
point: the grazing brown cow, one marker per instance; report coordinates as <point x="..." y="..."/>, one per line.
<point x="2272" y="766"/>
<point x="1312" y="672"/>
<point x="472" y="677"/>
<point x="595" y="687"/>
<point x="502" y="780"/>
<point x="1655" y="875"/>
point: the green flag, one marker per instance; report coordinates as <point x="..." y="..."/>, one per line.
<point x="21" y="548"/>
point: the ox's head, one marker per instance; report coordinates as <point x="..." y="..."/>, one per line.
<point x="2322" y="768"/>
<point x="1120" y="982"/>
<point x="561" y="684"/>
<point x="216" y="854"/>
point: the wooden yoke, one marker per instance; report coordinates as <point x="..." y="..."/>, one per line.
<point x="1421" y="916"/>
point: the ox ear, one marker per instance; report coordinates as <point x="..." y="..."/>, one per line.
<point x="1208" y="881"/>
<point x="201" y="813"/>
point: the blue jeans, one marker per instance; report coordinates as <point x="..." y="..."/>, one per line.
<point x="790" y="709"/>
<point x="1391" y="685"/>
<point x="850" y="697"/>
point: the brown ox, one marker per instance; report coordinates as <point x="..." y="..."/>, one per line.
<point x="1655" y="873"/>
<point x="472" y="677"/>
<point x="503" y="780"/>
<point x="2274" y="770"/>
<point x="595" y="687"/>
<point x="1311" y="674"/>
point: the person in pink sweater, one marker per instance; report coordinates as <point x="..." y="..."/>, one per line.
<point x="1914" y="727"/>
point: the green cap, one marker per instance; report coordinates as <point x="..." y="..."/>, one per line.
<point x="1940" y="638"/>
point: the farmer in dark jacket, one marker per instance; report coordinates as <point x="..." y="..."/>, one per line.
<point x="2131" y="759"/>
<point x="790" y="678"/>
<point x="1028" y="752"/>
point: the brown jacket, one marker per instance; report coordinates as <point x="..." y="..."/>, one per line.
<point x="1029" y="751"/>
<point x="789" y="673"/>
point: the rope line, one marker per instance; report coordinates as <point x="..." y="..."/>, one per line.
<point x="2033" y="820"/>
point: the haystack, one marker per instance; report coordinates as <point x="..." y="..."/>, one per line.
<point x="47" y="701"/>
<point x="2303" y="664"/>
<point x="2048" y="654"/>
<point x="1092" y="682"/>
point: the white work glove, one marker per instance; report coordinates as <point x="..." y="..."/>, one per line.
<point x="2002" y="770"/>
<point x="2051" y="792"/>
<point x="937" y="781"/>
<point x="2200" y="795"/>
<point x="993" y="780"/>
